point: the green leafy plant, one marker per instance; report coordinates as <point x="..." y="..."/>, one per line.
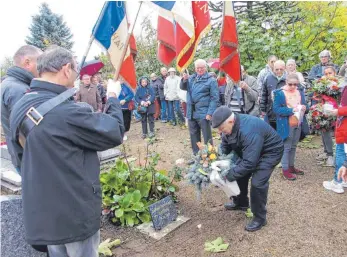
<point x="105" y="246"/>
<point x="128" y="190"/>
<point x="216" y="246"/>
<point x="249" y="213"/>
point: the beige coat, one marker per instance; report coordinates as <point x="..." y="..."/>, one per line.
<point x="89" y="94"/>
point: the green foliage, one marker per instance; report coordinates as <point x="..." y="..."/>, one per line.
<point x="128" y="190"/>
<point x="249" y="213"/>
<point x="48" y="28"/>
<point x="105" y="246"/>
<point x="216" y="246"/>
<point x="108" y="69"/>
<point x="5" y="65"/>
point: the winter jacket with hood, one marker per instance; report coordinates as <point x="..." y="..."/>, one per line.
<point x="171" y="87"/>
<point x="202" y="95"/>
<point x="145" y="94"/>
<point x="271" y="83"/>
<point x="14" y="86"/>
<point x="60" y="167"/>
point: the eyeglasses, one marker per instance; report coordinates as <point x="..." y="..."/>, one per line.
<point x="324" y="56"/>
<point x="292" y="84"/>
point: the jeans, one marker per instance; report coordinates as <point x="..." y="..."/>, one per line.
<point x="328" y="143"/>
<point x="290" y="144"/>
<point x="340" y="157"/>
<point x="163" y="110"/>
<point x="174" y="107"/>
<point x="137" y="115"/>
<point x="88" y="247"/>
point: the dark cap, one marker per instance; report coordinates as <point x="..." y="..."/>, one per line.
<point x="220" y="115"/>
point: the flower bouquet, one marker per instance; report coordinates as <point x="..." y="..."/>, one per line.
<point x="318" y="120"/>
<point x="329" y="86"/>
<point x="199" y="173"/>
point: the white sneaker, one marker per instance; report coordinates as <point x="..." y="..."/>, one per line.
<point x="333" y="186"/>
<point x="344" y="184"/>
<point x="125" y="138"/>
<point x="329" y="162"/>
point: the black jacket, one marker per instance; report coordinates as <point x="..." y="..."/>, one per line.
<point x="156" y="87"/>
<point x="60" y="167"/>
<point x="14" y="86"/>
<point x="161" y="82"/>
<point x="253" y="141"/>
<point x="271" y="83"/>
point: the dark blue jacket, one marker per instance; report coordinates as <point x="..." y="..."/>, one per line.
<point x="316" y="71"/>
<point x="145" y="94"/>
<point x="270" y="84"/>
<point x="14" y="86"/>
<point x="126" y="94"/>
<point x="202" y="95"/>
<point x="60" y="167"/>
<point x="283" y="112"/>
<point x="255" y="142"/>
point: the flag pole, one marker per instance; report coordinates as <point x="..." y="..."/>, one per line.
<point x="92" y="36"/>
<point x="124" y="50"/>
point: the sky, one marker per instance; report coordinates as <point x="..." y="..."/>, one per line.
<point x="80" y="17"/>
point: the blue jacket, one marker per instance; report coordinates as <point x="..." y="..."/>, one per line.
<point x="145" y="94"/>
<point x="126" y="94"/>
<point x="283" y="112"/>
<point x="202" y="95"/>
<point x="317" y="71"/>
<point x="255" y="143"/>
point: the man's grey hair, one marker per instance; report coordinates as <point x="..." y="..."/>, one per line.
<point x="325" y="53"/>
<point x="25" y="51"/>
<point x="291" y="61"/>
<point x="53" y="59"/>
<point x="200" y="61"/>
<point x="280" y="63"/>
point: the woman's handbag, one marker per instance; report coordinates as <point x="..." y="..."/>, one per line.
<point x="131" y="105"/>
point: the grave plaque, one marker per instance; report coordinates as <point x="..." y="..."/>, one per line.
<point x="163" y="212"/>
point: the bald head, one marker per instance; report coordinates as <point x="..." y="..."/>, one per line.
<point x="26" y="58"/>
<point x="279" y="68"/>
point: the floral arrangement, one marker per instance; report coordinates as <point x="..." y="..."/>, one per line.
<point x="328" y="86"/>
<point x="198" y="173"/>
<point x="318" y="120"/>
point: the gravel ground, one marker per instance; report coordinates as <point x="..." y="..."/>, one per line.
<point x="303" y="218"/>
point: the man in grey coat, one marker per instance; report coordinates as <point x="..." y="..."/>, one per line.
<point x="242" y="97"/>
<point x="59" y="163"/>
<point x="15" y="85"/>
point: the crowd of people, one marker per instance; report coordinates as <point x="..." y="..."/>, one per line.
<point x="260" y="119"/>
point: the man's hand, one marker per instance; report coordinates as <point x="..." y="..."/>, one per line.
<point x="208" y="117"/>
<point x="244" y="85"/>
<point x="122" y="102"/>
<point x="342" y="174"/>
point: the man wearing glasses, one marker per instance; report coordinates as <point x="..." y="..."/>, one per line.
<point x="59" y="163"/>
<point x="317" y="71"/>
<point x="275" y="80"/>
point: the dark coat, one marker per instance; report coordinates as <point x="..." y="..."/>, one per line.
<point x="253" y="141"/>
<point x="156" y="87"/>
<point x="316" y="71"/>
<point x="60" y="167"/>
<point x="271" y="83"/>
<point x="161" y="82"/>
<point x="14" y="86"/>
<point x="283" y="113"/>
<point x="202" y="95"/>
<point x="145" y="94"/>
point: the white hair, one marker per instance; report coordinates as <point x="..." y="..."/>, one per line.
<point x="325" y="53"/>
<point x="279" y="62"/>
<point x="291" y="61"/>
<point x="200" y="61"/>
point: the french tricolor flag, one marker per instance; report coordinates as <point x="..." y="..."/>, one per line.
<point x="111" y="32"/>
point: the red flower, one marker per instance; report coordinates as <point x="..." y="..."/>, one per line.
<point x="315" y="113"/>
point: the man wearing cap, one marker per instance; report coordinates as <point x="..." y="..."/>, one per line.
<point x="257" y="150"/>
<point x="171" y="87"/>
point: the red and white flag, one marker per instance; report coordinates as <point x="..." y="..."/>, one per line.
<point x="229" y="54"/>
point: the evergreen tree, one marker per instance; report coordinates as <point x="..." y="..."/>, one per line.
<point x="48" y="28"/>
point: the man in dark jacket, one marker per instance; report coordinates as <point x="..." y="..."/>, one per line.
<point x="317" y="71"/>
<point x="15" y="85"/>
<point x="275" y="80"/>
<point x="202" y="99"/>
<point x="163" y="103"/>
<point x="59" y="164"/>
<point x="257" y="150"/>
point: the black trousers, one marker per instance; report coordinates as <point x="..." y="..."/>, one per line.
<point x="126" y="119"/>
<point x="273" y="124"/>
<point x="195" y="128"/>
<point x="147" y="118"/>
<point x="259" y="186"/>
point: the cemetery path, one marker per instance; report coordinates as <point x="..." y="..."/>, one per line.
<point x="303" y="218"/>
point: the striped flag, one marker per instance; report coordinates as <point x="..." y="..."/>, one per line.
<point x="229" y="55"/>
<point x="111" y="33"/>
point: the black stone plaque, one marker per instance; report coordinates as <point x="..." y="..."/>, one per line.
<point x="163" y="212"/>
